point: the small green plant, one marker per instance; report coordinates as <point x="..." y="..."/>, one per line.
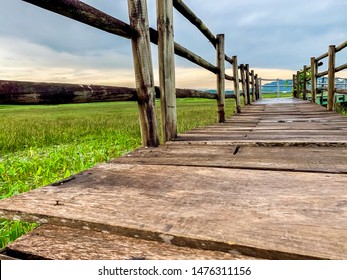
<point x="11" y="230"/>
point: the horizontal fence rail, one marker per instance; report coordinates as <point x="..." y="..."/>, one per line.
<point x="141" y="35"/>
<point x="310" y="74"/>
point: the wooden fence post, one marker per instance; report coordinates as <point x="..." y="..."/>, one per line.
<point x="314" y="69"/>
<point x="298" y="85"/>
<point x="166" y="53"/>
<point x="247" y="85"/>
<point x="256" y="87"/>
<point x="236" y="84"/>
<point x="260" y="88"/>
<point x="331" y="78"/>
<point x="294" y="86"/>
<point x="220" y="77"/>
<point x="253" y="86"/>
<point x="278" y="87"/>
<point x="243" y="82"/>
<point x="144" y="72"/>
<point x="305" y="83"/>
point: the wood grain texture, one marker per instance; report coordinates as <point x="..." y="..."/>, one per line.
<point x="220" y="78"/>
<point x="331" y="78"/>
<point x="236" y="84"/>
<point x="267" y="215"/>
<point x="17" y="92"/>
<point x="294" y="122"/>
<point x="143" y="67"/>
<point x="64" y="243"/>
<point x="166" y="54"/>
<point x="281" y="194"/>
<point x="305" y="159"/>
<point x="243" y="82"/>
<point x="247" y="73"/>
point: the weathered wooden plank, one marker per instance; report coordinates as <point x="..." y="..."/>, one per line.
<point x="262" y="142"/>
<point x="64" y="243"/>
<point x="325" y="160"/>
<point x="6" y="258"/>
<point x="143" y="67"/>
<point x="251" y="138"/>
<point x="196" y="207"/>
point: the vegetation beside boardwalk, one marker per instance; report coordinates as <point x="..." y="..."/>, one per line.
<point x="40" y="145"/>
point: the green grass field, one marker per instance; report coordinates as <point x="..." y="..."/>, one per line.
<point x="40" y="145"/>
<point x="274" y="95"/>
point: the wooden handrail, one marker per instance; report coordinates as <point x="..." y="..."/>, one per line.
<point x="340" y="68"/>
<point x="185" y="11"/>
<point x="86" y="14"/>
<point x="331" y="72"/>
<point x="341" y="47"/>
<point x="141" y="36"/>
<point x="322" y="56"/>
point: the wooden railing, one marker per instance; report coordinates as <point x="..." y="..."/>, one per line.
<point x="141" y="35"/>
<point x="311" y="73"/>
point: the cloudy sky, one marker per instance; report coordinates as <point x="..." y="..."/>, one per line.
<point x="276" y="37"/>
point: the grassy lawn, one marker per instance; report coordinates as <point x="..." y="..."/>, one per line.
<point x="274" y="95"/>
<point x="40" y="145"/>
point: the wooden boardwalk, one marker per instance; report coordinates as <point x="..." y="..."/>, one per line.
<point x="270" y="183"/>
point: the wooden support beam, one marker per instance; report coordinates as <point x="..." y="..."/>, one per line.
<point x="324" y="55"/>
<point x="256" y="87"/>
<point x="17" y="92"/>
<point x="253" y="86"/>
<point x="144" y="72"/>
<point x="243" y="82"/>
<point x="298" y="89"/>
<point x="86" y="14"/>
<point x="331" y="78"/>
<point x="304" y="89"/>
<point x="185" y="53"/>
<point x="181" y="7"/>
<point x="260" y="88"/>
<point x="184" y="10"/>
<point x="236" y="84"/>
<point x="340" y="68"/>
<point x="341" y="91"/>
<point x="166" y="54"/>
<point x="220" y="78"/>
<point x="247" y="85"/>
<point x="314" y="68"/>
<point x="322" y="74"/>
<point x="341" y="47"/>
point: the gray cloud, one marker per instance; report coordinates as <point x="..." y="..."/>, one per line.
<point x="266" y="34"/>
